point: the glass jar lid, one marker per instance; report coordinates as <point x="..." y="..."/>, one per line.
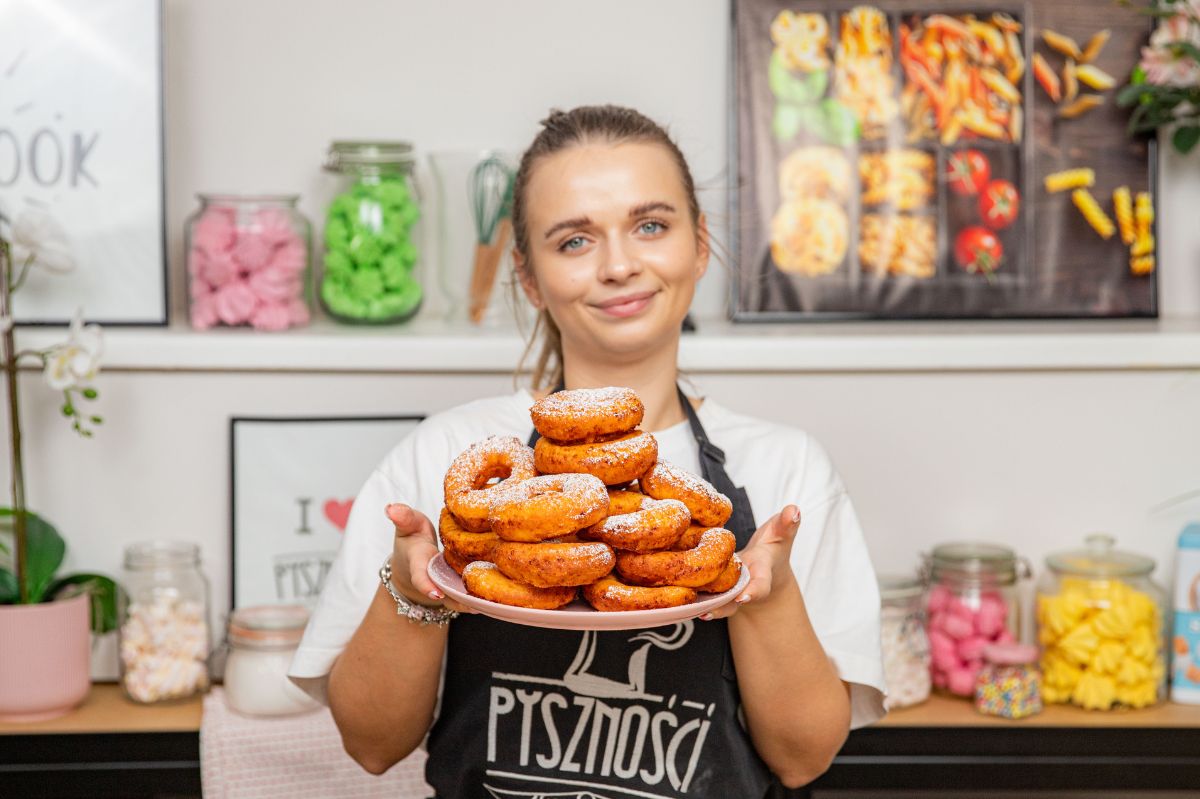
<point x="369" y="156"/>
<point x="972" y="561"/>
<point x="235" y="200"/>
<point x="161" y="554"/>
<point x="897" y="587"/>
<point x="268" y="626"/>
<point x="1099" y="559"/>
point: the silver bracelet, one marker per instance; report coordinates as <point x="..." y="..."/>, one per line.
<point x="413" y="612"/>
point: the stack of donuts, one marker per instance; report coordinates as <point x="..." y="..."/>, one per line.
<point x="590" y="509"/>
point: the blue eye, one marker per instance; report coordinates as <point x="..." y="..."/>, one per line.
<point x="573" y="243"/>
<point x="652" y="226"/>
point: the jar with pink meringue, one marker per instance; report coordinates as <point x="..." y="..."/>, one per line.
<point x="164" y="630"/>
<point x="248" y="263"/>
<point x="971" y="602"/>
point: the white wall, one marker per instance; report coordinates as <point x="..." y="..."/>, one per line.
<point x="256" y="90"/>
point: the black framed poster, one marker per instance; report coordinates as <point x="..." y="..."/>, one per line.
<point x="908" y="160"/>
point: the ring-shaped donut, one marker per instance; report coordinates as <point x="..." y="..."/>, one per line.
<point x="456" y="562"/>
<point x="463" y="545"/>
<point x="709" y="507"/>
<point x="726" y="580"/>
<point x="551" y="564"/>
<point x="484" y="580"/>
<point x="622" y="500"/>
<point x="547" y="506"/>
<point x="692" y="568"/>
<point x="615" y="461"/>
<point x="583" y="414"/>
<point x="657" y="524"/>
<point x="467" y="493"/>
<point x="610" y="594"/>
<point x="690" y="537"/>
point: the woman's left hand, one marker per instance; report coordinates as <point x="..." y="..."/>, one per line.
<point x="768" y="559"/>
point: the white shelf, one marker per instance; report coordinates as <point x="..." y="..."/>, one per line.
<point x="718" y="346"/>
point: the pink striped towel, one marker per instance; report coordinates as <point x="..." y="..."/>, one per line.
<point x="296" y="757"/>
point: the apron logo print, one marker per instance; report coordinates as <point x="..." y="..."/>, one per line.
<point x="582" y="682"/>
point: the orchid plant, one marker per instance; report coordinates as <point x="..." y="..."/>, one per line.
<point x="34" y="240"/>
<point x="1164" y="90"/>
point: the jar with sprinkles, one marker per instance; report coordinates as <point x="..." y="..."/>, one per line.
<point x="1010" y="683"/>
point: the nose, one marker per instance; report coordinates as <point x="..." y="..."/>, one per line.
<point x="619" y="261"/>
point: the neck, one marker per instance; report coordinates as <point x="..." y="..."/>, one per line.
<point x="653" y="378"/>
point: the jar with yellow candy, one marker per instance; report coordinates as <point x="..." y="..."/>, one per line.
<point x="1101" y="628"/>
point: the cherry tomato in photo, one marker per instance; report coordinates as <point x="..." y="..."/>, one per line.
<point x="976" y="249"/>
<point x="999" y="204"/>
<point x="967" y="172"/>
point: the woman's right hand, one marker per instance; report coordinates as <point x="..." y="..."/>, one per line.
<point x="415" y="544"/>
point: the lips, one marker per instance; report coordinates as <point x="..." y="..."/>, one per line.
<point x="626" y="305"/>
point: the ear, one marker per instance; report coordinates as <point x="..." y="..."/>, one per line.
<point x="528" y="281"/>
<point x="703" y="246"/>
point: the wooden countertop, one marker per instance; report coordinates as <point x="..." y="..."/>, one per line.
<point x="106" y="710"/>
<point x="943" y="711"/>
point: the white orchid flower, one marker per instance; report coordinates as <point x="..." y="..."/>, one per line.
<point x="37" y="234"/>
<point x="75" y="362"/>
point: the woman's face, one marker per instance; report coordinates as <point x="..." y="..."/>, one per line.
<point x="613" y="254"/>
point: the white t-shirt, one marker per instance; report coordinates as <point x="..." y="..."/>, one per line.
<point x="777" y="464"/>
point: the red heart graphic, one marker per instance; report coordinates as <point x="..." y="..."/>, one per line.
<point x="338" y="512"/>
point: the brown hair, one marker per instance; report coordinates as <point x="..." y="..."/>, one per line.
<point x="561" y="130"/>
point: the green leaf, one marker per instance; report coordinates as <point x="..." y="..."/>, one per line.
<point x="1188" y="49"/>
<point x="786" y="122"/>
<point x="1128" y="95"/>
<point x="91" y="393"/>
<point x="1138" y="76"/>
<point x="44" y="551"/>
<point x="840" y="122"/>
<point x="1186" y="137"/>
<point x="103" y="592"/>
<point x="787" y="88"/>
<point x="9" y="593"/>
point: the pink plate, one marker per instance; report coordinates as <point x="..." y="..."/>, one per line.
<point x="578" y="615"/>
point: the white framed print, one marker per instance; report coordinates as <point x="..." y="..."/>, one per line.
<point x="81" y="158"/>
<point x="293" y="481"/>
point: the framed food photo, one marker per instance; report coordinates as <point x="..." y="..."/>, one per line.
<point x="934" y="160"/>
<point x="293" y="483"/>
<point x="81" y="159"/>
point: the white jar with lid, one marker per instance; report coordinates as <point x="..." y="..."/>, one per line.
<point x="262" y="641"/>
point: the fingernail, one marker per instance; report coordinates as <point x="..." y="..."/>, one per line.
<point x="706" y="617"/>
<point x="796" y="515"/>
<point x="743" y="599"/>
<point x="436" y="594"/>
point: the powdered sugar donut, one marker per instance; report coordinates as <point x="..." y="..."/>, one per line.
<point x="547" y="507"/>
<point x="466" y="485"/>
<point x="548" y="564"/>
<point x="692" y="568"/>
<point x="583" y="414"/>
<point x="614" y="461"/>
<point x="709" y="507"/>
<point x="656" y="524"/>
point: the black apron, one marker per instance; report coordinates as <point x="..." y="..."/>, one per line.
<point x="530" y="713"/>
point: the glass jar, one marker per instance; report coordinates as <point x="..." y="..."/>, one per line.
<point x="262" y="641"/>
<point x="971" y="602"/>
<point x="248" y="262"/>
<point x="1101" y="627"/>
<point x="1009" y="684"/>
<point x="164" y="641"/>
<point x="905" y="645"/>
<point x="370" y="248"/>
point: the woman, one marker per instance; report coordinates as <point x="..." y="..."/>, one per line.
<point x="609" y="246"/>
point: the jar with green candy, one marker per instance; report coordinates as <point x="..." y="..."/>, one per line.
<point x="370" y="255"/>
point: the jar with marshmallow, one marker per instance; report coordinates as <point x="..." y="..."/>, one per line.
<point x="1101" y="626"/>
<point x="164" y="630"/>
<point x="971" y="602"/>
<point x="248" y="263"/>
<point x="905" y="645"/>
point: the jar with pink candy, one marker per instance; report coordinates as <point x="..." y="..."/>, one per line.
<point x="971" y="602"/>
<point x="248" y="263"/>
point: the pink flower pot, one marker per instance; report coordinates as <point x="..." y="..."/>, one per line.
<point x="45" y="659"/>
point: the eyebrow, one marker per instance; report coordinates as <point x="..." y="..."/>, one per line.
<point x="634" y="212"/>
